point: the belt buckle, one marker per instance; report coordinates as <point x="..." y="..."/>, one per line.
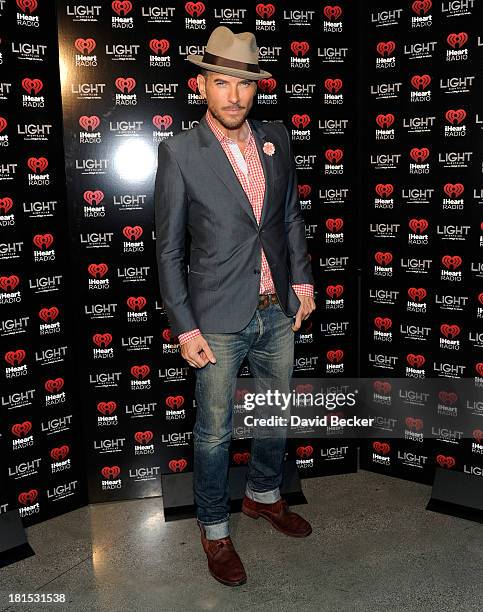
<point x="266" y="299"/>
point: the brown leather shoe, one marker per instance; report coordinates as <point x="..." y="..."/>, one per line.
<point x="278" y="514"/>
<point x="223" y="561"/>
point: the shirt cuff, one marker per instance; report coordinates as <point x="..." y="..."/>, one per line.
<point x="305" y="289"/>
<point x="189" y="335"/>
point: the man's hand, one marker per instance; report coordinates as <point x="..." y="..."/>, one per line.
<point x="307" y="305"/>
<point x="197" y="352"/>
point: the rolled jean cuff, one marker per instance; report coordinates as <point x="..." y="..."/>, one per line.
<point x="263" y="497"/>
<point x="216" y="531"/>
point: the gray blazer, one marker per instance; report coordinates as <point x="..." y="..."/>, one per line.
<point x="197" y="189"/>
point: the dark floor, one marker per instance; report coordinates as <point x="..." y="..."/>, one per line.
<point x="373" y="547"/>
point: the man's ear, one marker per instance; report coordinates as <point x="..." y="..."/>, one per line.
<point x="200" y="79"/>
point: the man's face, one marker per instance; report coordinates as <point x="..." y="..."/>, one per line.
<point x="229" y="98"/>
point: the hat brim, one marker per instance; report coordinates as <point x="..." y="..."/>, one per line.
<point x="242" y="74"/>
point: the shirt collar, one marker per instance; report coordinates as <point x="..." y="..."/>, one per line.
<point x="219" y="134"/>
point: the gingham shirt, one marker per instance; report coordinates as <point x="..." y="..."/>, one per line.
<point x="249" y="171"/>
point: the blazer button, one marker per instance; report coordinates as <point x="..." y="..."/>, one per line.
<point x="256" y="271"/>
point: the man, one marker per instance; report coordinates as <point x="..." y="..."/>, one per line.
<point x="232" y="183"/>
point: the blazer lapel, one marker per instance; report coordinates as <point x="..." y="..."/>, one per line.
<point x="221" y="165"/>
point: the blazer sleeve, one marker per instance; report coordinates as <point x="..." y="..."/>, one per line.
<point x="171" y="213"/>
<point x="300" y="266"/>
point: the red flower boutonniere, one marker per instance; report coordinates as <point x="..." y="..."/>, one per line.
<point x="269" y="148"/>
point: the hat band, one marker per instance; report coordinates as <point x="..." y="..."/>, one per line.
<point x="229" y="63"/>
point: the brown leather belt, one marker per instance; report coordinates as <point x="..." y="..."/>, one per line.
<point x="265" y="299"/>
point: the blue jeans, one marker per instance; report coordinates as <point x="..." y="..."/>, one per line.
<point x="268" y="343"/>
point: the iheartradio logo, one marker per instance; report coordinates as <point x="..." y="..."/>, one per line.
<point x="332" y="13"/>
<point x="27" y="6"/>
<point x="32" y="86"/>
<point x="334" y="156"/>
<point x="304" y="452"/>
<point x="48" y="315"/>
<point x="20" y="430"/>
<point x="195" y="9"/>
<point x="304" y="191"/>
<point x="107" y="408"/>
<point x="419" y="155"/>
<point x="241" y="458"/>
<point x="381" y="448"/>
<point x="98" y="270"/>
<point x="454" y="190"/>
<point x="450" y="331"/>
<point x="174" y="402"/>
<point x="110" y="472"/>
<point x="457" y="41"/>
<point x="383" y="323"/>
<point x="414" y="423"/>
<point x="140" y="372"/>
<point x="6" y="204"/>
<point x="418" y="226"/>
<point x="177" y="465"/>
<point x="334" y="291"/>
<point x="421" y="7"/>
<point x="136" y="303"/>
<point x="420" y="81"/>
<point x="125" y="84"/>
<point x="333" y="86"/>
<point x="265" y="11"/>
<point x="335" y="356"/>
<point x="37" y="164"/>
<point x="301" y="121"/>
<point x="384" y="190"/>
<point x="27" y="498"/>
<point x="448" y="397"/>
<point x="478" y="435"/>
<point x="193" y="84"/>
<point x="334" y="225"/>
<point x="445" y="461"/>
<point x="3" y="124"/>
<point x="451" y="262"/>
<point x="54" y="385"/>
<point x="386" y="49"/>
<point x="162" y="122"/>
<point x="299" y="48"/>
<point x="455" y="117"/>
<point x="132" y="232"/>
<point x="267" y="85"/>
<point x="143" y="437"/>
<point x="60" y="452"/>
<point x="89" y="123"/>
<point x="10" y="283"/>
<point x="382" y="387"/>
<point x="383" y="258"/>
<point x="417" y="294"/>
<point x="102" y="340"/>
<point x="122" y="8"/>
<point x="159" y="45"/>
<point x="385" y="121"/>
<point x="85" y="45"/>
<point x="415" y="361"/>
<point x="43" y="241"/>
<point x="93" y="197"/>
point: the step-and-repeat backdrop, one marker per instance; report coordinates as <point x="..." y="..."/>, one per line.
<point x="126" y="86"/>
<point x="423" y="206"/>
<point x="41" y="469"/>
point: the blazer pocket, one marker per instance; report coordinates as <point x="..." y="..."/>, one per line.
<point x="204" y="280"/>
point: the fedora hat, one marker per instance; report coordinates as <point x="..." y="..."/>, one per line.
<point x="232" y="54"/>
